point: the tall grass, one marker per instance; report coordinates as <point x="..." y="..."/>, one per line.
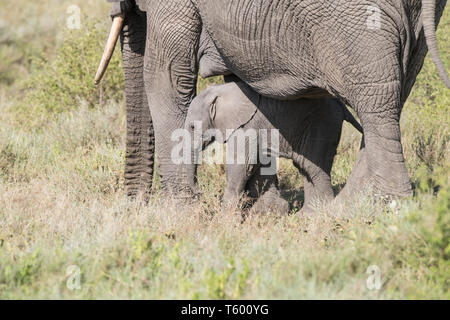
<point x="63" y="209"/>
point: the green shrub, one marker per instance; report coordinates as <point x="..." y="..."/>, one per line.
<point x="58" y="85"/>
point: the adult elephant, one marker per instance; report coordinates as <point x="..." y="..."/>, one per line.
<point x="366" y="53"/>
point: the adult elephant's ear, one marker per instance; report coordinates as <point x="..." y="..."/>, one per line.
<point x="236" y="106"/>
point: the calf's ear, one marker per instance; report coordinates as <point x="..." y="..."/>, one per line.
<point x="235" y="109"/>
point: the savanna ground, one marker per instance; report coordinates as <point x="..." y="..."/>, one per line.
<point x="63" y="212"/>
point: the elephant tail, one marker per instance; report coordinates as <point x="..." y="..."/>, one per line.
<point x="348" y="116"/>
<point x="429" y="26"/>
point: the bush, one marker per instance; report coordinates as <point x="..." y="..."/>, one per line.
<point x="58" y="85"/>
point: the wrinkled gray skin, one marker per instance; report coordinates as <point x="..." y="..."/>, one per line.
<point x="284" y="49"/>
<point x="310" y="131"/>
<point x="140" y="140"/>
<point x="140" y="134"/>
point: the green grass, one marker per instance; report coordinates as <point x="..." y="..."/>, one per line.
<point x="62" y="202"/>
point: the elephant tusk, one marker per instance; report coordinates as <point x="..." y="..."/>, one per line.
<point x="116" y="28"/>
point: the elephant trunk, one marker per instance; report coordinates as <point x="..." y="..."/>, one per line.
<point x="140" y="139"/>
<point x="429" y="25"/>
<point x="109" y="48"/>
<point x="131" y="25"/>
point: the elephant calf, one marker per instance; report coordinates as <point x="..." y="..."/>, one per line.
<point x="309" y="132"/>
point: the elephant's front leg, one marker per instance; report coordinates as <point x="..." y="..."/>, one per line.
<point x="318" y="189"/>
<point x="173" y="32"/>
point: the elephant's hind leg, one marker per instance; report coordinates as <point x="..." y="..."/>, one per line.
<point x="381" y="164"/>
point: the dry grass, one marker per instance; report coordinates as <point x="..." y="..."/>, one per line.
<point x="62" y="204"/>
